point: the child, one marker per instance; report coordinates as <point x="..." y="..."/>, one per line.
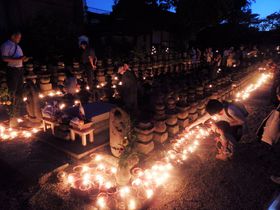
<point x="225" y="141"/>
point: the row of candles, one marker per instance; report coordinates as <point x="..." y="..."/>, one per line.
<point x="99" y="178"/>
<point x="245" y="94"/>
<point x="7" y="133"/>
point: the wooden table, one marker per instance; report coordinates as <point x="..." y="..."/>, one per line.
<point x="83" y="134"/>
<point x="49" y="122"/>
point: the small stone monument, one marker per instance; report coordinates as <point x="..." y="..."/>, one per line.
<point x="193" y="115"/>
<point x="100" y="73"/>
<point x="45" y="80"/>
<point x="30" y="74"/>
<point x="144" y="133"/>
<point x="183" y="109"/>
<point x="119" y="129"/>
<point x="32" y="103"/>
<point x="160" y="131"/>
<point x="60" y="73"/>
<point x="172" y="120"/>
<point x="77" y="72"/>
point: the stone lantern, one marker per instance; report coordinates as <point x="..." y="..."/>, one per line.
<point x="145" y="133"/>
<point x="30" y="74"/>
<point x="160" y="131"/>
<point x="172" y="120"/>
<point x="76" y="71"/>
<point x="183" y="112"/>
<point x="110" y="68"/>
<point x="100" y="73"/>
<point x="60" y="73"/>
<point x="45" y="80"/>
<point x="193" y="115"/>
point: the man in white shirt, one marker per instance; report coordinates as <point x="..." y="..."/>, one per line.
<point x="12" y="55"/>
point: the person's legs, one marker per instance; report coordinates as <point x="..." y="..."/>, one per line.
<point x="220" y="151"/>
<point x="18" y="93"/>
<point x="237" y="132"/>
<point x="12" y="81"/>
<point x="15" y="85"/>
<point x="90" y="77"/>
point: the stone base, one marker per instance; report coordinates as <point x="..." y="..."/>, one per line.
<point x="144" y="138"/>
<point x="183" y="123"/>
<point x="173" y="130"/>
<point x="193" y="117"/>
<point x="160" y="137"/>
<point x="46" y="87"/>
<point x="144" y="148"/>
<point x="201" y="112"/>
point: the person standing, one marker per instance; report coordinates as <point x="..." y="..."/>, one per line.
<point x="128" y="89"/>
<point x="12" y="55"/>
<point x="89" y="61"/>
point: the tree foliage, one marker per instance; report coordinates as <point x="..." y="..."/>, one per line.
<point x="198" y="14"/>
<point x="194" y="14"/>
<point x="272" y="22"/>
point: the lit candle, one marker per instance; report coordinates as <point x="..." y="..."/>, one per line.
<point x="35" y="130"/>
<point x="132" y="204"/>
<point x="62" y="106"/>
<point x="19" y="120"/>
<point x="124" y="191"/>
<point x="70" y="179"/>
<point x="108" y="185"/>
<point x="149" y="193"/>
<point x="101" y="202"/>
<point x="114" y="170"/>
<point x="85" y="168"/>
<point x="86" y="179"/>
<point x="98" y="157"/>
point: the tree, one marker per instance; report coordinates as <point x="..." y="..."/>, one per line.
<point x="272" y="22"/>
<point x="195" y="15"/>
<point x="198" y="14"/>
<point x="133" y="8"/>
<point x="248" y="19"/>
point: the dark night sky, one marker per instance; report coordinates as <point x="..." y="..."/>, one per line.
<point x="262" y="7"/>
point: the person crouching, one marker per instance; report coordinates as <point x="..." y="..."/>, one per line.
<point x="234" y="113"/>
<point x="225" y="141"/>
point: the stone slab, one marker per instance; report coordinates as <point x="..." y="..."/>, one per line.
<point x="75" y="149"/>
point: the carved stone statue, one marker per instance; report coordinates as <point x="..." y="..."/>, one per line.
<point x="32" y="103"/>
<point x="119" y="129"/>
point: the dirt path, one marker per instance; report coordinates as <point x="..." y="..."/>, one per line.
<point x="243" y="183"/>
